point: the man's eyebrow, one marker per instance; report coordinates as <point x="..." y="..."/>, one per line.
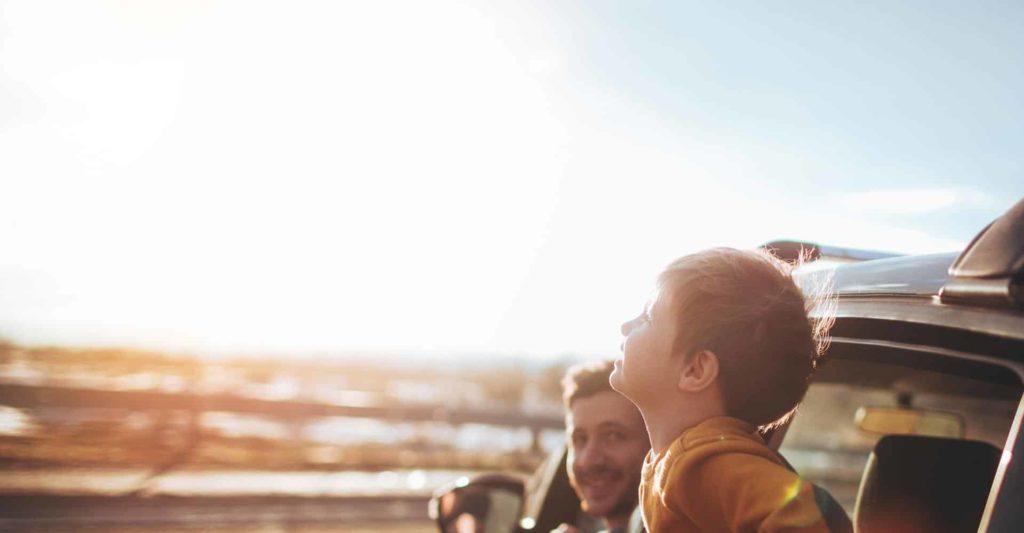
<point x="611" y="425"/>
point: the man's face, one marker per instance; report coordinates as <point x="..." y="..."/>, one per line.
<point x="645" y="373"/>
<point x="607" y="445"/>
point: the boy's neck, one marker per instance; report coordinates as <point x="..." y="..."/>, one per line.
<point x="665" y="424"/>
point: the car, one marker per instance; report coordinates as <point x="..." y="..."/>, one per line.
<point x="913" y="418"/>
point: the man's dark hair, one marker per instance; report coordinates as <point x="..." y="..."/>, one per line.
<point x="586" y="379"/>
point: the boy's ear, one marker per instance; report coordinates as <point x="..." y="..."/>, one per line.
<point x="700" y="372"/>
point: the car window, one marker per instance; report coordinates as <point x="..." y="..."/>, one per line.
<point x="826" y="446"/>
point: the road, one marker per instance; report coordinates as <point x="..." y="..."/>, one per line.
<point x="226" y="513"/>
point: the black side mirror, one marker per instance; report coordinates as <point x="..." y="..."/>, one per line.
<point x="486" y="503"/>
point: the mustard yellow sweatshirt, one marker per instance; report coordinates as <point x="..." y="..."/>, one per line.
<point x="719" y="476"/>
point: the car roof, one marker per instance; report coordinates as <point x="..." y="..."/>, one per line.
<point x="988" y="272"/>
<point x="922" y="275"/>
<point x="904" y="290"/>
<point x="964" y="307"/>
<point x="979" y="290"/>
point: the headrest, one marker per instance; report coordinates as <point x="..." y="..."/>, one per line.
<point x="914" y="483"/>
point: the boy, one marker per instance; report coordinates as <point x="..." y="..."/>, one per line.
<point x="724" y="347"/>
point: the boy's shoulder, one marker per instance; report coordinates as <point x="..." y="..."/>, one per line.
<point x="716" y="432"/>
<point x="724" y="439"/>
<point x="721" y="475"/>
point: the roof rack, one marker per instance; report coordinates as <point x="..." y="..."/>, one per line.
<point x="990" y="271"/>
<point x="791" y="251"/>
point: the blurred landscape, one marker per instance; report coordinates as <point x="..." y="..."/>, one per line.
<point x="295" y="180"/>
<point x="339" y="438"/>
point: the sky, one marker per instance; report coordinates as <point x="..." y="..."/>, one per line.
<point x="467" y="178"/>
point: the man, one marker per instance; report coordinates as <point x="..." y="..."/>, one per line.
<point x="607" y="445"/>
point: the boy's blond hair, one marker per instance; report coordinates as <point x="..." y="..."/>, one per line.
<point x="745" y="307"/>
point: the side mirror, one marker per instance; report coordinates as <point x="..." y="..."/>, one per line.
<point x="909" y="421"/>
<point x="487" y="503"/>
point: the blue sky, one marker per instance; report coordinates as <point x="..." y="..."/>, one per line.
<point x="873" y="95"/>
<point x="453" y="177"/>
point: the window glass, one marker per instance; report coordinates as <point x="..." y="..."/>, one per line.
<point x="825" y="445"/>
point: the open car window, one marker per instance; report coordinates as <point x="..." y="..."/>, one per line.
<point x="825" y="444"/>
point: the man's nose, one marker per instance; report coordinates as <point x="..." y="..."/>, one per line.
<point x="590" y="456"/>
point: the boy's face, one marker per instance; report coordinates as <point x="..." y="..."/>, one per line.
<point x="645" y="372"/>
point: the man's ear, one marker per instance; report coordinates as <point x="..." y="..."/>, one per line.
<point x="700" y="372"/>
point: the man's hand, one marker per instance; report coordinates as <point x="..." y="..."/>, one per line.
<point x="565" y="528"/>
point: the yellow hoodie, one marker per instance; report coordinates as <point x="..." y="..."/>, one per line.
<point x="720" y="476"/>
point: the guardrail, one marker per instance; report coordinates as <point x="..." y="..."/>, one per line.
<point x="32" y="396"/>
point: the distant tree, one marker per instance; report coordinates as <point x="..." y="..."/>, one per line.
<point x="504" y="384"/>
<point x="549" y="379"/>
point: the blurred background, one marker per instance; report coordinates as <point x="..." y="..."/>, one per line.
<point x="127" y="438"/>
<point x="316" y="259"/>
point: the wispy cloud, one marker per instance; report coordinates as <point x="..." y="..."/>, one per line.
<point x="915" y="201"/>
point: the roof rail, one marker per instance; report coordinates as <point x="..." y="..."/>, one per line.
<point x="791" y="251"/>
<point x="990" y="271"/>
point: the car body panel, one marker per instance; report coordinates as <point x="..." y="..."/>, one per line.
<point x="891" y="311"/>
<point x="908" y="275"/>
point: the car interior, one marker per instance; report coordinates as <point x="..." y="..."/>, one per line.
<point x="904" y="448"/>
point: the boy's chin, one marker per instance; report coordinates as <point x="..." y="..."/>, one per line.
<point x="615" y="378"/>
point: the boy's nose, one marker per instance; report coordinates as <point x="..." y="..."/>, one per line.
<point x="627" y="326"/>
